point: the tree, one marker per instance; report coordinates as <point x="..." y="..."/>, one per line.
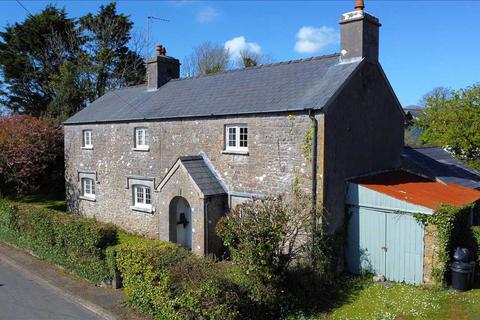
<point x="107" y="37"/>
<point x="28" y="62"/>
<point x="249" y="59"/>
<point x="55" y="66"/>
<point x="31" y="154"/>
<point x="206" y="58"/>
<point x="453" y="121"/>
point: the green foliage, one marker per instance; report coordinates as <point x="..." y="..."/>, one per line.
<point x="307" y="142"/>
<point x="264" y="238"/>
<point x="31" y="53"/>
<point x="452" y="119"/>
<point x="75" y="243"/>
<point x="452" y="225"/>
<point x="476" y="236"/>
<point x="168" y="282"/>
<point x="54" y="65"/>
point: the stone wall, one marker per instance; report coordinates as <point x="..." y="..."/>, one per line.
<point x="275" y="158"/>
<point x="430" y="259"/>
<point x="363" y="135"/>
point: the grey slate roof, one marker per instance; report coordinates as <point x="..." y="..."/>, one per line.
<point x="286" y="86"/>
<point x="202" y="175"/>
<point x="437" y="163"/>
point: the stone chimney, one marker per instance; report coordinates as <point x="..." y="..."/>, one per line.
<point x="359" y="35"/>
<point x="161" y="69"/>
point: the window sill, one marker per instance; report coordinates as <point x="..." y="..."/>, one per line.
<point x="87" y="198"/>
<point x="140" y="209"/>
<point x="87" y="148"/>
<point x="239" y="152"/>
<point x="141" y="149"/>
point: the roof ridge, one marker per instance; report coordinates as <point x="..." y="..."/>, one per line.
<point x="267" y="65"/>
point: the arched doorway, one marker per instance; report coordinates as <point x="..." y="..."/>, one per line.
<point x="181" y="222"/>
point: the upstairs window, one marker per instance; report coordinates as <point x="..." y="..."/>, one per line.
<point x="141" y="139"/>
<point x="236" y="138"/>
<point x="142" y="197"/>
<point x="88" y="188"/>
<point x="87" y="139"/>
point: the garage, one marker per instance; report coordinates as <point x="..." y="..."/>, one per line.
<point x="383" y="235"/>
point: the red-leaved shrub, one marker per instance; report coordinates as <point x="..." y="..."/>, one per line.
<point x="31" y="155"/>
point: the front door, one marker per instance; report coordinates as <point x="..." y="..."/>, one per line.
<point x="184" y="223"/>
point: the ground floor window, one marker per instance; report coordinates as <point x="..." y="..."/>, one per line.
<point x="88" y="188"/>
<point x="142" y="197"/>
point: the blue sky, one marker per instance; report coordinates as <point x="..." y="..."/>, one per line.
<point x="423" y="44"/>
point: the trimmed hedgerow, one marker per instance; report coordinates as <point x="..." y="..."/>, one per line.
<point x="75" y="243"/>
<point x="169" y="282"/>
<point x="476" y="235"/>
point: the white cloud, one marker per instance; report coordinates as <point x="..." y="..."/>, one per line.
<point x="207" y="15"/>
<point x="236" y="45"/>
<point x="313" y="40"/>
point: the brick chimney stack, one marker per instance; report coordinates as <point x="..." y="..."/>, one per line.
<point x="161" y="68"/>
<point x="359" y="35"/>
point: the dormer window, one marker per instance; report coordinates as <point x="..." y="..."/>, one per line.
<point x="236" y="138"/>
<point x="141" y="139"/>
<point x="87" y="142"/>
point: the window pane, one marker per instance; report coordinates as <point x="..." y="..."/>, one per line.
<point x="243" y="137"/>
<point x="140" y="195"/>
<point x="93" y="187"/>
<point x="145" y="137"/>
<point x="87" y="138"/>
<point x="147" y="195"/>
<point x="232" y="137"/>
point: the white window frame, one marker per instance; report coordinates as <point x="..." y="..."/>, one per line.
<point x="87" y="133"/>
<point x="142" y="197"/>
<point x="88" y="188"/>
<point x="236" y="147"/>
<point x="142" y="139"/>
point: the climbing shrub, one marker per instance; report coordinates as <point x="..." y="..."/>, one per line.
<point x="77" y="244"/>
<point x="453" y="230"/>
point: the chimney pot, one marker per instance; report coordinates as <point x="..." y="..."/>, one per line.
<point x="359" y="5"/>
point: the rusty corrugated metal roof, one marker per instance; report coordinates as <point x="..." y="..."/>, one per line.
<point x="414" y="189"/>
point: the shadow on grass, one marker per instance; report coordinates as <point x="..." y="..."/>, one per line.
<point x="48" y="201"/>
<point x="316" y="295"/>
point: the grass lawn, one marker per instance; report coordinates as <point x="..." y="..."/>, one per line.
<point x="46" y="201"/>
<point x="404" y="302"/>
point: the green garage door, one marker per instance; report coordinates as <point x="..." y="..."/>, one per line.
<point x="385" y="242"/>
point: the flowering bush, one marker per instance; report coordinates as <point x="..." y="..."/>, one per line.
<point x="31" y="154"/>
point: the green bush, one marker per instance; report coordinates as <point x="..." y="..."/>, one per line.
<point x="476" y="235"/>
<point x="168" y="282"/>
<point x="264" y="237"/>
<point x="77" y="244"/>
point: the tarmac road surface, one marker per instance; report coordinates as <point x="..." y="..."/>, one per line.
<point x="21" y="298"/>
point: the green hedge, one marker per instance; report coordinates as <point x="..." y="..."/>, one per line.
<point x="169" y="282"/>
<point x="77" y="244"/>
<point x="476" y="235"/>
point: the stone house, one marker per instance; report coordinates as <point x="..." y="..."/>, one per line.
<point x="167" y="159"/>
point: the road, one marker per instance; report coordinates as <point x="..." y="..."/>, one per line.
<point x="21" y="298"/>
